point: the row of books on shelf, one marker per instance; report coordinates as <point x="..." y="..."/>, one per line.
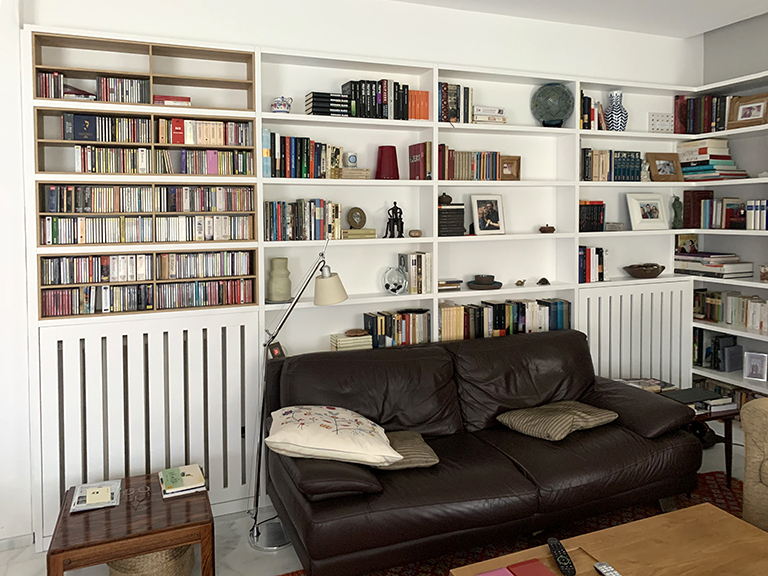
<point x="711" y="264"/>
<point x="592" y="264"/>
<point x="493" y="318"/>
<point x="204" y="199"/>
<point x="385" y="99"/>
<point x="732" y="309"/>
<point x="592" y="114"/>
<point x="96" y="300"/>
<point x="610" y="165"/>
<point x="420" y="161"/>
<point x="701" y="114"/>
<point x="708" y="160"/>
<point x="101" y="160"/>
<point x="201" y="293"/>
<point x="61" y="270"/>
<point x="738" y="395"/>
<point x="456" y="104"/>
<point x="591" y="215"/>
<point x="701" y="210"/>
<point x="473" y="165"/>
<point x="221" y="162"/>
<point x="400" y="328"/>
<point x="203" y="228"/>
<point x="93" y="128"/>
<point x="716" y="351"/>
<point x="298" y="157"/>
<point x="204" y="132"/>
<point x="95" y="230"/>
<point x="107" y="89"/>
<point x="417" y="267"/>
<point x="313" y="219"/>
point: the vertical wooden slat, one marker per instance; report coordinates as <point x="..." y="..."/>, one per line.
<point x="176" y="396"/>
<point x="136" y="399"/>
<point x="94" y="406"/>
<point x="156" y="400"/>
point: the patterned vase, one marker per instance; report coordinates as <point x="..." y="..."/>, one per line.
<point x="279" y="284"/>
<point x="615" y="114"/>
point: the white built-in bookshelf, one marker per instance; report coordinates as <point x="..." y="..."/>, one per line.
<point x="238" y="84"/>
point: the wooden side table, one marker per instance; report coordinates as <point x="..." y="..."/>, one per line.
<point x="727" y="417"/>
<point x="143" y="522"/>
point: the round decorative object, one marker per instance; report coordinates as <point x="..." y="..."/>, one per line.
<point x="356" y="218"/>
<point x="414" y="233"/>
<point x="520" y="282"/>
<point x="475" y="286"/>
<point x="615" y="114"/>
<point x="543" y="281"/>
<point x="484" y="279"/>
<point x="352" y="332"/>
<point x="444" y="199"/>
<point x="552" y="104"/>
<point x="647" y="270"/>
<point x="547" y="229"/>
<point x="279" y="282"/>
<point x="394" y="281"/>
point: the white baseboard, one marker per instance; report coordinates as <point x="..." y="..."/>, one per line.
<point x="16" y="542"/>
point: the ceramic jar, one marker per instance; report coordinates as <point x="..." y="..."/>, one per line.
<point x="615" y="114"/>
<point x="282" y="104"/>
<point x="279" y="282"/>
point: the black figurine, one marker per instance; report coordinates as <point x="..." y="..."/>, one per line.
<point x="394" y="223"/>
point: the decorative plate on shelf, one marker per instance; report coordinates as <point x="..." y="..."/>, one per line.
<point x="552" y="104"/>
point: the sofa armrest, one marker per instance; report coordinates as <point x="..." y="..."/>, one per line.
<point x="645" y="413"/>
<point x="325" y="479"/>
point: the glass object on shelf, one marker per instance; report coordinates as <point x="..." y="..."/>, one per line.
<point x="552" y="104"/>
<point x="394" y="281"/>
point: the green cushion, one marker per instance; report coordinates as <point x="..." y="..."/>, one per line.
<point x="556" y="420"/>
<point x="415" y="452"/>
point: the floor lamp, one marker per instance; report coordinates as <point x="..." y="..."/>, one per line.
<point x="269" y="534"/>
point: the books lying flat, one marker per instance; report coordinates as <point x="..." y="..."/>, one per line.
<point x="358" y="234"/>
<point x="96" y="495"/>
<point x="344" y="342"/>
<point x="181" y="480"/>
<point x="356" y="173"/>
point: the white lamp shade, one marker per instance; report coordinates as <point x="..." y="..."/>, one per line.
<point x="329" y="290"/>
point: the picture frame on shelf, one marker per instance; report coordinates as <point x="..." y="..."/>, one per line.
<point x="748" y="111"/>
<point x="756" y="366"/>
<point x="665" y="166"/>
<point x="648" y="211"/>
<point x="488" y="214"/>
<point x="510" y="167"/>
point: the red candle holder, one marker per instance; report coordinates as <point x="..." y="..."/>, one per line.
<point x="386" y="165"/>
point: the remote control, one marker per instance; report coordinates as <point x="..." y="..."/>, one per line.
<point x="606" y="569"/>
<point x="564" y="562"/>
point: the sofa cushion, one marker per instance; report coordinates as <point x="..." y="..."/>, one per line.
<point x="411" y="446"/>
<point x="325" y="479"/>
<point x="329" y="433"/>
<point x="556" y="420"/>
<point x="399" y="388"/>
<point x="597" y="463"/>
<point x="473" y="486"/>
<point x="495" y="375"/>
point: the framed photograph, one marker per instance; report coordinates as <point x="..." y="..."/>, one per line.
<point x="687" y="243"/>
<point x="510" y="167"/>
<point x="748" y="111"/>
<point x="648" y="211"/>
<point x="665" y="167"/>
<point x="488" y="214"/>
<point x="756" y="366"/>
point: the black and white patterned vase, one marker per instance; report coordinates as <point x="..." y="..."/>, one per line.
<point x="615" y="114"/>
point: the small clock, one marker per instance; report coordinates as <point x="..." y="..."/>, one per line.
<point x="356" y="218"/>
<point x="350" y="159"/>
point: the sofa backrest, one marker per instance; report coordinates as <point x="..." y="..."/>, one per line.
<point x="495" y="375"/>
<point x="404" y="388"/>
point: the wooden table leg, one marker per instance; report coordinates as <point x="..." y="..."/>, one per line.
<point x="55" y="564"/>
<point x="728" y="424"/>
<point x="207" y="554"/>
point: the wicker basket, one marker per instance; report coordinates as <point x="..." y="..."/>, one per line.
<point x="173" y="562"/>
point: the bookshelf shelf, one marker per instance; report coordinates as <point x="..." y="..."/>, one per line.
<point x="721" y="232"/>
<point x="726" y="329"/>
<point x="69" y="143"/>
<point x="610" y="134"/>
<point x="346" y="182"/>
<point x="400" y="301"/>
<point x="505" y="183"/>
<point x="752" y="283"/>
<point x="297" y="119"/>
<point x="733" y="378"/>
<point x="90" y="73"/>
<point x="447" y="127"/>
<point x="630" y="281"/>
<point x="506" y="237"/>
<point x="201" y="82"/>
<point x="347" y="243"/>
<point x="465" y="293"/>
<point x="626" y="233"/>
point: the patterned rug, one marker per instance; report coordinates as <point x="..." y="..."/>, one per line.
<point x="711" y="489"/>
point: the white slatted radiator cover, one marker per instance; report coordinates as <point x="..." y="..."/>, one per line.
<point x="640" y="331"/>
<point x="132" y="398"/>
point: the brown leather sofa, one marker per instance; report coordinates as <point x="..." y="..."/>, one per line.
<point x="491" y="482"/>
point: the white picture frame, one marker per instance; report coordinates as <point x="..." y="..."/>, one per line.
<point x="648" y="211"/>
<point x="756" y="366"/>
<point x="487" y="214"/>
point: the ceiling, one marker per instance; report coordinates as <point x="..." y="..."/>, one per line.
<point x="675" y="18"/>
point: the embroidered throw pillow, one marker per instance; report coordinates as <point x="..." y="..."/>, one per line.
<point x="329" y="433"/>
<point x="556" y="420"/>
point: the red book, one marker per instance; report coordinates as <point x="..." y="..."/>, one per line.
<point x="417" y="166"/>
<point x="311" y="158"/>
<point x="707" y="114"/>
<point x="681" y="115"/>
<point x="530" y="568"/>
<point x="287" y="157"/>
<point x="692" y="206"/>
<point x="177" y="131"/>
<point x="451" y="164"/>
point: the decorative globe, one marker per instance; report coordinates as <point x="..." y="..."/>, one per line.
<point x="552" y="104"/>
<point x="394" y="281"/>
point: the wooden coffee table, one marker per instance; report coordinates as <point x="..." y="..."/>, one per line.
<point x="143" y="522"/>
<point x="701" y="540"/>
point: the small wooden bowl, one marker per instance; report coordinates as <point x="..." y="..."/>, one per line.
<point x="484" y="279"/>
<point x="648" y="270"/>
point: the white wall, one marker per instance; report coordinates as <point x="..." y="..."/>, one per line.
<point x="374" y="27"/>
<point x="736" y="50"/>
<point x="15" y="483"/>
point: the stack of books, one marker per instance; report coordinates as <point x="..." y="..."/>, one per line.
<point x="649" y="384"/>
<point x="707" y="160"/>
<point x="354" y="174"/>
<point x="591" y="215"/>
<point x="358" y="233"/>
<point x="701" y="400"/>
<point x="344" y="342"/>
<point x="713" y="265"/>
<point x="488" y="115"/>
<point x="450" y="220"/>
<point x="181" y="480"/>
<point x="171" y="100"/>
<point x="449" y="285"/>
<point x="326" y="104"/>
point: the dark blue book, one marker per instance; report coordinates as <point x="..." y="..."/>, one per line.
<point x="85" y="127"/>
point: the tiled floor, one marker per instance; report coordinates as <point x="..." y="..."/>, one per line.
<point x="234" y="557"/>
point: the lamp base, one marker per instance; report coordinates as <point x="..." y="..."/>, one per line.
<point x="271" y="537"/>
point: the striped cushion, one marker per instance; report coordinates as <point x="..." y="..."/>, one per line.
<point x="556" y="420"/>
<point x="415" y="452"/>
